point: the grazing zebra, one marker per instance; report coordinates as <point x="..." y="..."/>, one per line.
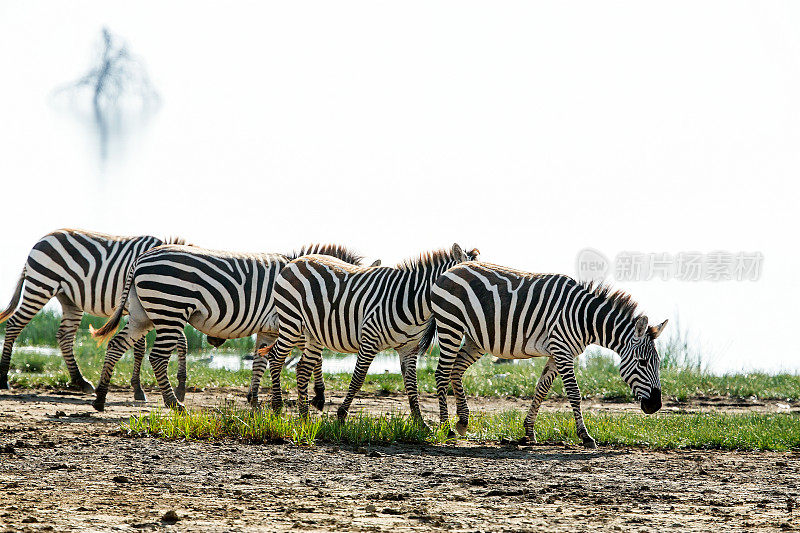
<point x="223" y="294"/>
<point x="86" y="271"/>
<point x="326" y="303"/>
<point x="518" y="315"/>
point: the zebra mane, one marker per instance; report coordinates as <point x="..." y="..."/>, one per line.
<point x="426" y="259"/>
<point x="621" y="301"/>
<point x="176" y="240"/>
<point x="334" y="250"/>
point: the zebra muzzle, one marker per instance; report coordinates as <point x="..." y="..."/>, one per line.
<point x="653" y="403"/>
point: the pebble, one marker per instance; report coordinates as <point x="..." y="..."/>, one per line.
<point x="170" y="516"/>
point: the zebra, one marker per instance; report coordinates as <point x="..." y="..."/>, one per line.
<point x="322" y="302"/>
<point x="518" y="315"/>
<point x="223" y="294"/>
<point x="85" y="271"/>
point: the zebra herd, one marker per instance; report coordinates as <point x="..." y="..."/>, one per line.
<point x="323" y="297"/>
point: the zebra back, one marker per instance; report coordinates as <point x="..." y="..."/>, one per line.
<point x="89" y="267"/>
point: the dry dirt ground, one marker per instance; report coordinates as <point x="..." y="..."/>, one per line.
<point x="65" y="467"/>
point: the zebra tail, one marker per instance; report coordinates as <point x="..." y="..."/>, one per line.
<point x="108" y="329"/>
<point x="12" y="305"/>
<point x="427" y="337"/>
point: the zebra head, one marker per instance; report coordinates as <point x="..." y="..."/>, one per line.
<point x="640" y="364"/>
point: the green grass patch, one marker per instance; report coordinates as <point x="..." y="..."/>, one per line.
<point x="41" y="331"/>
<point x="777" y="432"/>
<point x="682" y="374"/>
<point x="598" y="377"/>
<point x="703" y="430"/>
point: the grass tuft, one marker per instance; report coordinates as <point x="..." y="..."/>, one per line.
<point x="778" y="432"/>
<point x="227" y="422"/>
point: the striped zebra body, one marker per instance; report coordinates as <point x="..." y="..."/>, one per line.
<point x="324" y="303"/>
<point x="225" y="295"/>
<point x="517" y="315"/>
<point x="86" y="272"/>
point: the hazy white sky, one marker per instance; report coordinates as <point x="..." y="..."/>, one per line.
<point x="528" y="130"/>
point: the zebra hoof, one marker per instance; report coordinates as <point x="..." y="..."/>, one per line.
<point x="82" y="385"/>
<point x="178" y="406"/>
<point x="318" y="402"/>
<point x="99" y="404"/>
<point x="530" y="437"/>
<point x="589" y="442"/>
<point x="461" y="427"/>
<point x="252" y="399"/>
<point x="421" y="424"/>
<point x="139" y="395"/>
<point x="276" y="406"/>
<point x="341" y="414"/>
<point x="4" y="384"/>
<point x="180" y="392"/>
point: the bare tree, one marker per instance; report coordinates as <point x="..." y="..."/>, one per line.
<point x="117" y="84"/>
<point x="117" y="77"/>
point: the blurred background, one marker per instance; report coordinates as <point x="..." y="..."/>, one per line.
<point x="529" y="131"/>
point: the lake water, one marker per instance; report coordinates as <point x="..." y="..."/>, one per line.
<point x="332" y="365"/>
<point x="525" y="131"/>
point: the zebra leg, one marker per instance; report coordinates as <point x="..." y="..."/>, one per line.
<point x="312" y="356"/>
<point x="549" y="373"/>
<point x="290" y="335"/>
<point x="259" y="366"/>
<point x="139" y="348"/>
<point x="408" y="366"/>
<point x="180" y="392"/>
<point x="33" y="299"/>
<point x="466" y="356"/>
<point x="366" y="353"/>
<point x="121" y="343"/>
<point x="449" y="346"/>
<point x="319" y="386"/>
<point x="167" y="340"/>
<point x="65" y="336"/>
<point x="565" y="364"/>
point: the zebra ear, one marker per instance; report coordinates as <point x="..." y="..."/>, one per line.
<point x="640" y="328"/>
<point x="376" y="263"/>
<point x="458" y="253"/>
<point x="655" y="331"/>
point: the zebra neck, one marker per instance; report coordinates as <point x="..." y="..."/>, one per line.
<point x="418" y="283"/>
<point x="611" y="330"/>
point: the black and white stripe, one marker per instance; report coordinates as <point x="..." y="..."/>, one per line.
<point x="518" y="315"/>
<point x="322" y="302"/>
<point x="86" y="271"/>
<point x="225" y="295"/>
